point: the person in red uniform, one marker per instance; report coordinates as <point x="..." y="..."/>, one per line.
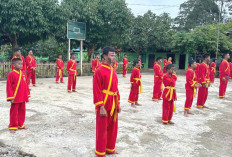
<point x="17" y="54"/>
<point x="224" y="73"/>
<point x="95" y="63"/>
<point x="31" y="68"/>
<point x="158" y="80"/>
<point x="191" y="87"/>
<point x="169" y="94"/>
<point x="204" y="81"/>
<point x="230" y="67"/>
<point x="125" y="64"/>
<point x="197" y="69"/>
<point x="106" y="99"/>
<point x="136" y="82"/>
<point x="168" y="62"/>
<point x="17" y="93"/>
<point x="140" y="61"/>
<point x="59" y="69"/>
<point x="164" y="65"/>
<point x="212" y="69"/>
<point x="72" y="73"/>
<point x="115" y="65"/>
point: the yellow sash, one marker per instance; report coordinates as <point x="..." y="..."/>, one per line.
<point x="141" y="84"/>
<point x="171" y="90"/>
<point x="60" y="73"/>
<point x="114" y="94"/>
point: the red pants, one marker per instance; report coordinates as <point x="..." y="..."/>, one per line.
<point x="211" y="77"/>
<point x="31" y="75"/>
<point x="17" y="116"/>
<point x="124" y="72"/>
<point x="189" y="99"/>
<point x="202" y="96"/>
<point x="106" y="134"/>
<point x="134" y="94"/>
<point x="157" y="90"/>
<point x="222" y="88"/>
<point x="58" y="76"/>
<point x="72" y="79"/>
<point x="167" y="110"/>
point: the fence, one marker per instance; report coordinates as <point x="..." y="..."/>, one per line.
<point x="49" y="69"/>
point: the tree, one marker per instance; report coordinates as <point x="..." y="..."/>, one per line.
<point x="27" y="21"/>
<point x="195" y="13"/>
<point x="107" y="21"/>
<point x="151" y="33"/>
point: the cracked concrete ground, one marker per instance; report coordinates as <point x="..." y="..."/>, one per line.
<point x="62" y="124"/>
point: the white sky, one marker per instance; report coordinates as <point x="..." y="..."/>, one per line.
<point x="140" y="10"/>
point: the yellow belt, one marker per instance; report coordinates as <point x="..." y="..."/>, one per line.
<point x="114" y="94"/>
<point x="60" y="73"/>
<point x="171" y="90"/>
<point x="141" y="84"/>
<point x="207" y="83"/>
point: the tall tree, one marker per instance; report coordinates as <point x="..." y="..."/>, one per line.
<point x="195" y="13"/>
<point x="27" y="21"/>
<point x="151" y="32"/>
<point x="107" y="21"/>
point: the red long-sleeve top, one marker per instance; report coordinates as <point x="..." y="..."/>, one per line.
<point x="16" y="87"/>
<point x="191" y="79"/>
<point x="203" y="74"/>
<point x="30" y="63"/>
<point x="95" y="64"/>
<point x="71" y="67"/>
<point x="60" y="64"/>
<point x="105" y="79"/>
<point x="158" y="73"/>
<point x="169" y="92"/>
<point x="135" y="74"/>
<point x="224" y="69"/>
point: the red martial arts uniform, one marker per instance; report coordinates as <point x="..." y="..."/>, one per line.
<point x="31" y="74"/>
<point x="224" y="72"/>
<point x="168" y="62"/>
<point x="169" y="96"/>
<point x="230" y="69"/>
<point x="18" y="92"/>
<point x="135" y="82"/>
<point x="191" y="90"/>
<point x="125" y="63"/>
<point x="105" y="92"/>
<point x="95" y="65"/>
<point x="197" y="71"/>
<point x="115" y="65"/>
<point x="203" y="79"/>
<point x="59" y="70"/>
<point x="158" y="82"/>
<point x="212" y="72"/>
<point x="164" y="66"/>
<point x="72" y="75"/>
<point x="23" y="63"/>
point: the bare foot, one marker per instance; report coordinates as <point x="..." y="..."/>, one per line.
<point x="190" y="113"/>
<point x="133" y="105"/>
<point x="69" y="92"/>
<point x="115" y="152"/>
<point x="57" y="82"/>
<point x="155" y="100"/>
<point x="61" y="82"/>
<point x="165" y="123"/>
<point x="137" y="104"/>
<point x="170" y="122"/>
<point x="186" y="113"/>
<point x="12" y="131"/>
<point x="200" y="108"/>
<point x="205" y="107"/>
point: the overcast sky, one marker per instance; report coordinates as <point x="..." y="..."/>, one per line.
<point x="141" y="9"/>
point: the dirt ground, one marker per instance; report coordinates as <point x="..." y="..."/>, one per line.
<point x="63" y="124"/>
